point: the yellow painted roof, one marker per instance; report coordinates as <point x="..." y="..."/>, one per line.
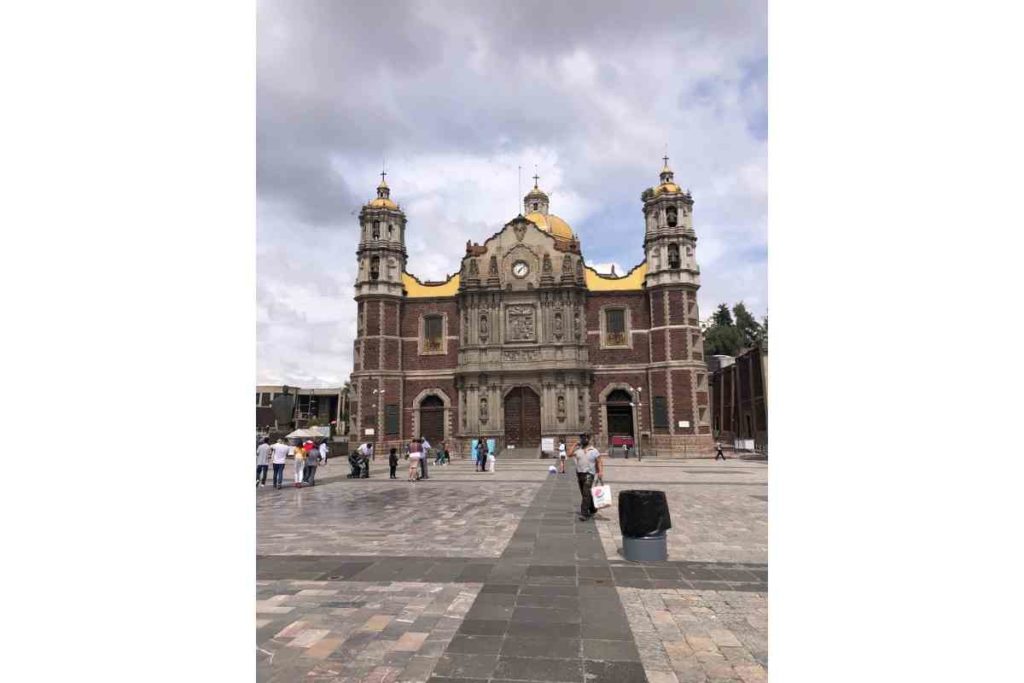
<point x="382" y="203"/>
<point x="605" y="283"/>
<point x="415" y="289"/>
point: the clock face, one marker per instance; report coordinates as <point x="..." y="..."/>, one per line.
<point x="520" y="269"/>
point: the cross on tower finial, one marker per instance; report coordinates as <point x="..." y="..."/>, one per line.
<point x="535" y="178"/>
<point x="382" y="174"/>
<point x="665" y="159"/>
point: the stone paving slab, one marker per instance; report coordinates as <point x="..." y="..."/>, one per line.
<point x="489" y="577"/>
<point x="355" y="630"/>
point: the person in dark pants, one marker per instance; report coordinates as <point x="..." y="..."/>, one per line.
<point x="262" y="460"/>
<point x="279" y="455"/>
<point x="312" y="461"/>
<point x="588" y="469"/>
<point x="393" y="462"/>
<point x="423" y="461"/>
<point x="718" y="451"/>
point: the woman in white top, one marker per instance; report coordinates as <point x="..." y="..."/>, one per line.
<point x="561" y="457"/>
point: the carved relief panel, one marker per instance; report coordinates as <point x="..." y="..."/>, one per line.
<point x="520" y="323"/>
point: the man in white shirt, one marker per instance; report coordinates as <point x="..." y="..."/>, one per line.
<point x="323" y="452"/>
<point x="262" y="460"/>
<point x="588" y="468"/>
<point x="279" y="457"/>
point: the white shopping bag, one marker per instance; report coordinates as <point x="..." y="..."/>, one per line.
<point x="602" y="496"/>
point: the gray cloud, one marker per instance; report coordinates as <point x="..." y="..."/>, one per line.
<point x="456" y="95"/>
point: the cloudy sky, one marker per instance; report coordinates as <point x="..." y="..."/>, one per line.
<point x="454" y="97"/>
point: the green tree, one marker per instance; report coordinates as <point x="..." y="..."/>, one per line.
<point x="750" y="330"/>
<point x="722" y="317"/>
<point x="722" y="340"/>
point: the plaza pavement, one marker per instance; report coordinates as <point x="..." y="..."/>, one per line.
<point x="474" y="576"/>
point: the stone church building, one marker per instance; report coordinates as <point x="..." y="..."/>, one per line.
<point x="527" y="341"/>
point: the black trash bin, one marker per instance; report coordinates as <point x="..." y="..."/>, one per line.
<point x="643" y="519"/>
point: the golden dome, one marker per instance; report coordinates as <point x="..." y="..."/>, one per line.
<point x="551" y="224"/>
<point x="382" y="203"/>
<point x="667" y="188"/>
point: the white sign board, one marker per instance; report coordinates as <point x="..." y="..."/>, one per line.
<point x="683" y="424"/>
<point x="547" y="444"/>
<point x="368" y="431"/>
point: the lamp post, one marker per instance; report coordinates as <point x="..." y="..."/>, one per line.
<point x="379" y="393"/>
<point x="638" y="405"/>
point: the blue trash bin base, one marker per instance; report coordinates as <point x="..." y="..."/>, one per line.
<point x="645" y="548"/>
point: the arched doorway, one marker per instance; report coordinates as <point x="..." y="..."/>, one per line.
<point x="522" y="418"/>
<point x="620" y="414"/>
<point x="432" y="419"/>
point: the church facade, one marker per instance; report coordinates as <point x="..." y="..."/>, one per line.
<point x="527" y="341"/>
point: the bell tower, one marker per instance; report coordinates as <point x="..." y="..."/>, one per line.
<point x="381" y="252"/>
<point x="680" y="384"/>
<point x="669" y="240"/>
<point x="379" y="292"/>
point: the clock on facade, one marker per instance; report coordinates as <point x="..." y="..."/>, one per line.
<point x="520" y="269"/>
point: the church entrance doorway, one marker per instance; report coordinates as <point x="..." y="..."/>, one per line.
<point x="620" y="414"/>
<point x="522" y="418"/>
<point x="432" y="419"/>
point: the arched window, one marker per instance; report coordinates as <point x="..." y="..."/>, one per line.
<point x="673" y="256"/>
<point x="374" y="267"/>
<point x="671" y="216"/>
<point x="535" y="206"/>
<point x="376" y="230"/>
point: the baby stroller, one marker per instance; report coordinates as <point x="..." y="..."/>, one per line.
<point x="353" y="463"/>
<point x="364" y="468"/>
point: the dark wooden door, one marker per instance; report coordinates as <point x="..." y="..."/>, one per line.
<point x="432" y="420"/>
<point x="522" y="418"/>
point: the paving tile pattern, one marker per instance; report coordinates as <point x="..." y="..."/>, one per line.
<point x="354" y="630"/>
<point x="712" y="521"/>
<point x="392" y="518"/>
<point x="699" y="636"/>
<point x="489" y="577"/>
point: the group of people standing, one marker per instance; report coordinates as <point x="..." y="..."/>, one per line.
<point x="307" y="458"/>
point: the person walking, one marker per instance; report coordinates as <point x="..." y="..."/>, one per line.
<point x="439" y="454"/>
<point x="481" y="455"/>
<point x="312" y="460"/>
<point x="562" y="457"/>
<point x="300" y="463"/>
<point x="491" y="460"/>
<point x="718" y="451"/>
<point x="279" y="456"/>
<point x="588" y="468"/>
<point x="393" y="462"/>
<point x="425" y="453"/>
<point x="415" y="454"/>
<point x="262" y="459"/>
<point x="323" y="452"/>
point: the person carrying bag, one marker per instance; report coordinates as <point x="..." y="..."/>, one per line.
<point x="589" y="467"/>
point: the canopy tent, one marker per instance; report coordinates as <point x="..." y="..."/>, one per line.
<point x="314" y="433"/>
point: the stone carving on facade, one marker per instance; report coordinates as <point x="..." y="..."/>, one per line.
<point x="492" y="270"/>
<point x="579" y="268"/>
<point x="561" y="408"/>
<point x="484" y="328"/>
<point x="465" y="327"/>
<point x="559" y="326"/>
<point x="520" y="323"/>
<point x="577" y="325"/>
<point x="520" y="355"/>
<point x="547" y="263"/>
<point x="520" y="230"/>
<point x="473" y="270"/>
<point x="581" y="406"/>
<point x="566" y="266"/>
<point x="483" y="410"/>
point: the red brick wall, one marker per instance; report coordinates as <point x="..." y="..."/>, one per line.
<point x="676" y="306"/>
<point x="658" y="308"/>
<point x="682" y="401"/>
<point x="413" y="387"/>
<point x="411" y="358"/>
<point x="639" y="320"/>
